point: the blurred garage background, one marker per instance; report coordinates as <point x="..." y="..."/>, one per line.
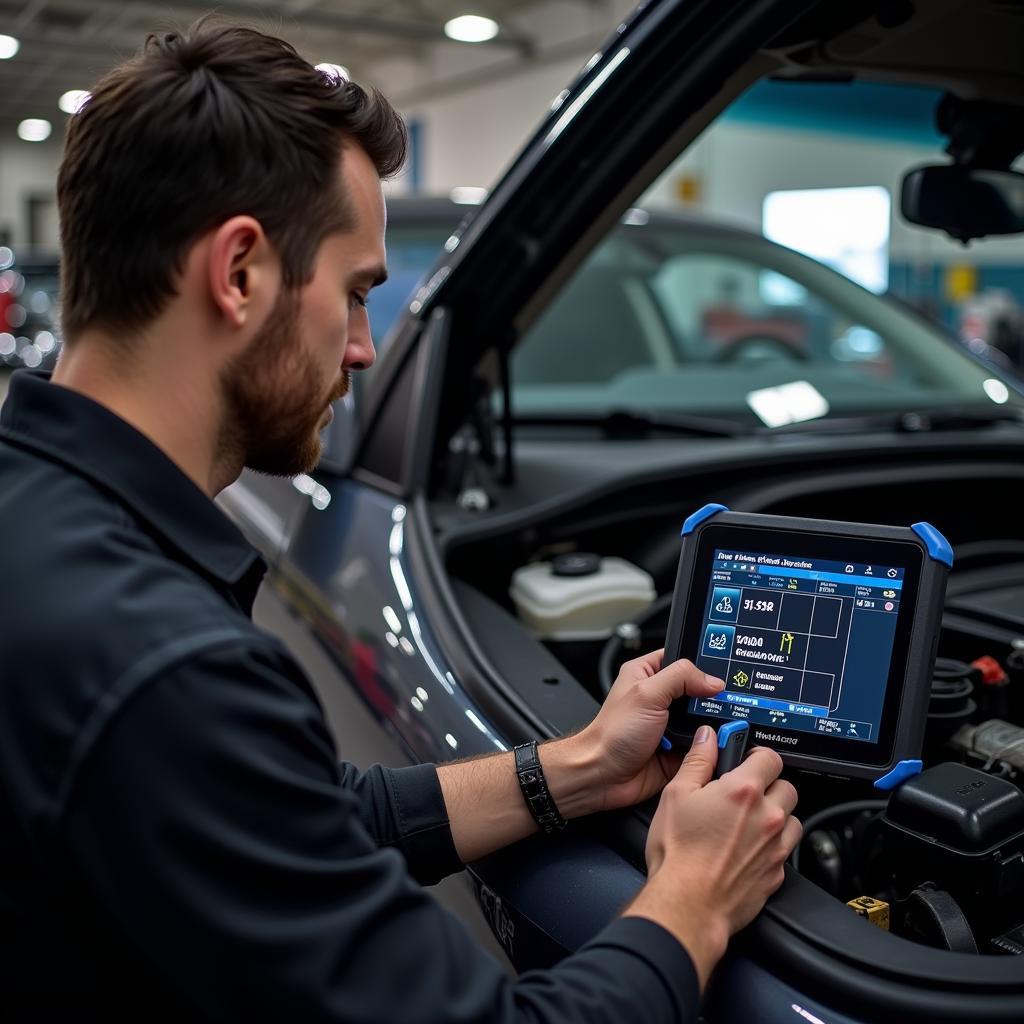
<point x="817" y="169"/>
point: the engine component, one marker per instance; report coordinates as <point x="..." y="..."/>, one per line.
<point x="630" y="636"/>
<point x="840" y="850"/>
<point x="994" y="695"/>
<point x="932" y="916"/>
<point x="875" y="911"/>
<point x="1011" y="943"/>
<point x="1015" y="660"/>
<point x="579" y="596"/>
<point x="950" y="705"/>
<point x="995" y="740"/>
<point x="963" y="831"/>
<point x="1015" y="670"/>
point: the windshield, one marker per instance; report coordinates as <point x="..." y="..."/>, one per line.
<point x="684" y="308"/>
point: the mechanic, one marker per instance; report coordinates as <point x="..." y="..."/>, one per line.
<point x="178" y="840"/>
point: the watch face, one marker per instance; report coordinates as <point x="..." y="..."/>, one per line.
<point x="810" y="633"/>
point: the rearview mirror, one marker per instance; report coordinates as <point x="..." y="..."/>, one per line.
<point x="966" y="202"/>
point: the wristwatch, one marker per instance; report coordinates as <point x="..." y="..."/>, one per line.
<point x="534" y="788"/>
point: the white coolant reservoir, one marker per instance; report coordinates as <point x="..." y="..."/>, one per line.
<point x="579" y="596"/>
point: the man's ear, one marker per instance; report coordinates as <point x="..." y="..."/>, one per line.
<point x="244" y="273"/>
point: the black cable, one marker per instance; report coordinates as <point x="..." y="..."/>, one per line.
<point x="815" y="821"/>
<point x="606" y="667"/>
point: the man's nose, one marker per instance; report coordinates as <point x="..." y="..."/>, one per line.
<point x="359" y="353"/>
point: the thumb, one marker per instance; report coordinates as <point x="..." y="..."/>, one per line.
<point x="699" y="764"/>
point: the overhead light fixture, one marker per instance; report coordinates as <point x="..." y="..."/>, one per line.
<point x="34" y="129"/>
<point x="471" y="28"/>
<point x="9" y="46"/>
<point x="73" y="100"/>
<point x="336" y="71"/>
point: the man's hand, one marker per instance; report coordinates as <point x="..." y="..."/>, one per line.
<point x="623" y="741"/>
<point x="614" y="762"/>
<point x="715" y="850"/>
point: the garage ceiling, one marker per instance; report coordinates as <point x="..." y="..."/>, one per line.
<point x="66" y="44"/>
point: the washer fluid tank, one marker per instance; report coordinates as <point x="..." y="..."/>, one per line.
<point x="579" y="596"/>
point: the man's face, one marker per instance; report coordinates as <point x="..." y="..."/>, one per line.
<point x="279" y="391"/>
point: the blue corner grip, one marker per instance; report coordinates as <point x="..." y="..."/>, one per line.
<point x="937" y="545"/>
<point x="727" y="730"/>
<point x="903" y="771"/>
<point x="700" y="515"/>
<point x="666" y="744"/>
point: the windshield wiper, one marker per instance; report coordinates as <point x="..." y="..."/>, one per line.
<point x="624" y="423"/>
<point x="913" y="422"/>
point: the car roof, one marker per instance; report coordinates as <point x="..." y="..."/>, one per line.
<point x="440" y="210"/>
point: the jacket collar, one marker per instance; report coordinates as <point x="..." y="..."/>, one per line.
<point x="65" y="426"/>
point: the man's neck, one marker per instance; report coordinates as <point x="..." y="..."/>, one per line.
<point x="168" y="400"/>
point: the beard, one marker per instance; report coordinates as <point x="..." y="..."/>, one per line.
<point x="276" y="397"/>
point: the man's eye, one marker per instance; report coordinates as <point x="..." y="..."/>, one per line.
<point x="356" y="300"/>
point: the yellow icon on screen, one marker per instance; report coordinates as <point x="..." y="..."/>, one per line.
<point x="786" y="644"/>
<point x="741" y="679"/>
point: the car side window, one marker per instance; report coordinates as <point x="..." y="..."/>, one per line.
<point x="604" y="323"/>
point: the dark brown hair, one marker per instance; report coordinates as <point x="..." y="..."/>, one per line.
<point x="201" y="126"/>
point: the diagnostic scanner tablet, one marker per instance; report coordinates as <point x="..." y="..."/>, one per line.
<point x="824" y="632"/>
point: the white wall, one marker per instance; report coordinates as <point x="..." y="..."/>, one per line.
<point x="738" y="164"/>
<point x="27" y="169"/>
<point x="476" y="107"/>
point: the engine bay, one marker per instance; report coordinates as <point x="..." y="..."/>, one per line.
<point x="940" y="861"/>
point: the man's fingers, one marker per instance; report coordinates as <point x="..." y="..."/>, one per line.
<point x="683" y="678"/>
<point x="791" y="835"/>
<point x="782" y="794"/>
<point x="699" y="764"/>
<point x="647" y="664"/>
<point x="761" y="766"/>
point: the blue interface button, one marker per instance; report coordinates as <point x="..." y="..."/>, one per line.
<point x="718" y="641"/>
<point x="725" y="603"/>
<point x="774" y="705"/>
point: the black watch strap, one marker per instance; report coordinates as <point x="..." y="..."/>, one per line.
<point x="535" y="789"/>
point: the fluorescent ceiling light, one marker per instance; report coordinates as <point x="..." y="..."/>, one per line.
<point x="336" y="71"/>
<point x="471" y="28"/>
<point x="34" y="129"/>
<point x="73" y="100"/>
<point x="9" y="46"/>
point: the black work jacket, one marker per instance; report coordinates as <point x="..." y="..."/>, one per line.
<point x="178" y="840"/>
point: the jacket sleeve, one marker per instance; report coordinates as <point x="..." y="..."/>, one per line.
<point x="404" y="808"/>
<point x="211" y="826"/>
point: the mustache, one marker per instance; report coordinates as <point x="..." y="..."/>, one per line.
<point x="342" y="388"/>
